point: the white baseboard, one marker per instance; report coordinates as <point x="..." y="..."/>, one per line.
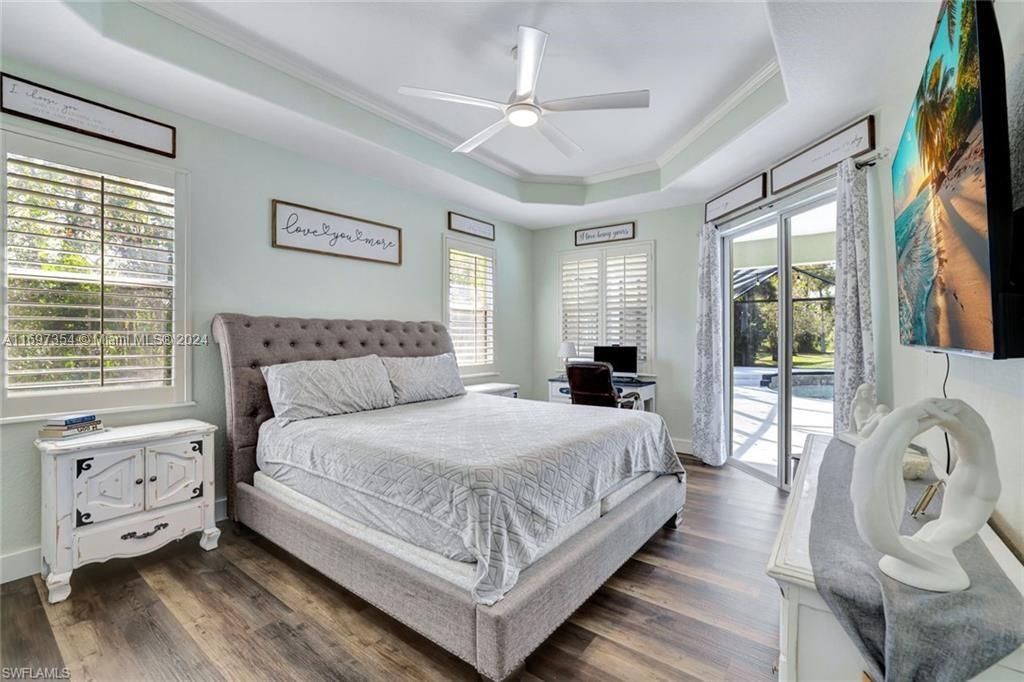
<point x="25" y="562"/>
<point x="19" y="564"/>
<point x="683" y="445"/>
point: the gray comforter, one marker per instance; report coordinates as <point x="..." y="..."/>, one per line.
<point x="476" y="478"/>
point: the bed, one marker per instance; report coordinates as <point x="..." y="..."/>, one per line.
<point x="567" y="493"/>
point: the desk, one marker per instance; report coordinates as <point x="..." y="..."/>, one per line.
<point x="558" y="390"/>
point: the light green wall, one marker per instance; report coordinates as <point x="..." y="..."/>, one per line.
<point x="233" y="268"/>
<point x="807" y="248"/>
<point x="675" y="233"/>
<point x="994" y="388"/>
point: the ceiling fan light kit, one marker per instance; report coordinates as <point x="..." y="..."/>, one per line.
<point x="523" y="115"/>
<point x="523" y="110"/>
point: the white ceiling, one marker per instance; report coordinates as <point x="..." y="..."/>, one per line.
<point x="691" y="57"/>
<point x="839" y="61"/>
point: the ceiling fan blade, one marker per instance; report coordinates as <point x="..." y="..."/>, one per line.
<point x="450" y="97"/>
<point x="634" y="99"/>
<point x="481" y="137"/>
<point x="529" y="55"/>
<point x="558" y="138"/>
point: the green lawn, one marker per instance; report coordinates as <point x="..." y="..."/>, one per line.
<point x="801" y="360"/>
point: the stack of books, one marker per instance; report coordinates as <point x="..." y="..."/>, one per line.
<point x="70" y="426"/>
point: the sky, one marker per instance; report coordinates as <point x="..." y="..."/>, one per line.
<point x="907" y="173"/>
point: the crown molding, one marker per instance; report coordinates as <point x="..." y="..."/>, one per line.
<point x="593" y="179"/>
<point x="733" y="100"/>
<point x="194" y="17"/>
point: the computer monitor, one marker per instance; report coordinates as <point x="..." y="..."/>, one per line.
<point x="621" y="358"/>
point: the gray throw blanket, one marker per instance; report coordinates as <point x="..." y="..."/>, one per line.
<point x="905" y="633"/>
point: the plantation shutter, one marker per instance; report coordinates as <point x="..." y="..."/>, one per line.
<point x="87" y="253"/>
<point x="606" y="298"/>
<point x="627" y="302"/>
<point x="581" y="304"/>
<point x="471" y="305"/>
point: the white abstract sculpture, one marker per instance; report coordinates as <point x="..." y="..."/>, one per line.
<point x="924" y="560"/>
<point x="865" y="413"/>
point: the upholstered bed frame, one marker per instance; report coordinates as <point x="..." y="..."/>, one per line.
<point x="494" y="639"/>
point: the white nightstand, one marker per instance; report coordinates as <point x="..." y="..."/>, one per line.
<point x="495" y="388"/>
<point x="124" y="492"/>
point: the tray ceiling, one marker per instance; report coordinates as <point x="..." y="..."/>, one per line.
<point x="735" y="86"/>
<point x="368" y="50"/>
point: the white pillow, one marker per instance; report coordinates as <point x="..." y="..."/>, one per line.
<point x="426" y="378"/>
<point x="320" y="388"/>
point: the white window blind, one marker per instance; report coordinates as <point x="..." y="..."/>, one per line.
<point x="581" y="304"/>
<point x="607" y="299"/>
<point x="626" y="302"/>
<point x="90" y="277"/>
<point x="470" y="303"/>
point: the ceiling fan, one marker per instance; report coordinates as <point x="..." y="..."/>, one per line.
<point x="522" y="109"/>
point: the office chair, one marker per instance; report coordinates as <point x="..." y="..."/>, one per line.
<point x="590" y="383"/>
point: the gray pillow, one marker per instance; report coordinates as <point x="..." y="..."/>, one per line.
<point x="426" y="378"/>
<point x="320" y="388"/>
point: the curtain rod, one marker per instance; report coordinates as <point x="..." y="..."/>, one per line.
<point x="873" y="159"/>
<point x="769" y="202"/>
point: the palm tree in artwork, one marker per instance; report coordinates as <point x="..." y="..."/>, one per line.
<point x="951" y="10"/>
<point x="935" y="98"/>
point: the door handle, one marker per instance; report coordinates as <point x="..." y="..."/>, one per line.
<point x="152" y="479"/>
<point x="141" y="536"/>
<point x="138" y="481"/>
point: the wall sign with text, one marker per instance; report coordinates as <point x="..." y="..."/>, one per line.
<point x="64" y="110"/>
<point x="606" y="233"/>
<point x="742" y="195"/>
<point x="851" y="141"/>
<point x="304" y="228"/>
<point x="466" y="225"/>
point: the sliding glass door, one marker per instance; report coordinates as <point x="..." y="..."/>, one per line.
<point x="779" y="284"/>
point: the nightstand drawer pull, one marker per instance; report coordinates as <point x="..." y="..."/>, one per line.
<point x="139" y="536"/>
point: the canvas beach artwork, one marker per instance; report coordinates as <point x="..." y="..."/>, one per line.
<point x="939" y="196"/>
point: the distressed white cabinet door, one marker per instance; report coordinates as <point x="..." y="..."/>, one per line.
<point x="108" y="486"/>
<point x="174" y="473"/>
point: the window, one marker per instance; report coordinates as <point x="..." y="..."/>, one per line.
<point x="607" y="299"/>
<point x="469" y="302"/>
<point x="91" y="293"/>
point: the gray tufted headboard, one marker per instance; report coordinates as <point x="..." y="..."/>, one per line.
<point x="248" y="343"/>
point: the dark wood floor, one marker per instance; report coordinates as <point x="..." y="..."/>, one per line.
<point x="694" y="603"/>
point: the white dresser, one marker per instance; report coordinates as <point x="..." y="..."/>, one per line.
<point x="124" y="492"/>
<point x="812" y="644"/>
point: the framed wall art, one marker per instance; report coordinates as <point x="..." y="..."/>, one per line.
<point x="853" y="140"/>
<point x="304" y="228"/>
<point x="54" y="107"/>
<point x="744" y="194"/>
<point x="471" y="226"/>
<point x="605" y="233"/>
